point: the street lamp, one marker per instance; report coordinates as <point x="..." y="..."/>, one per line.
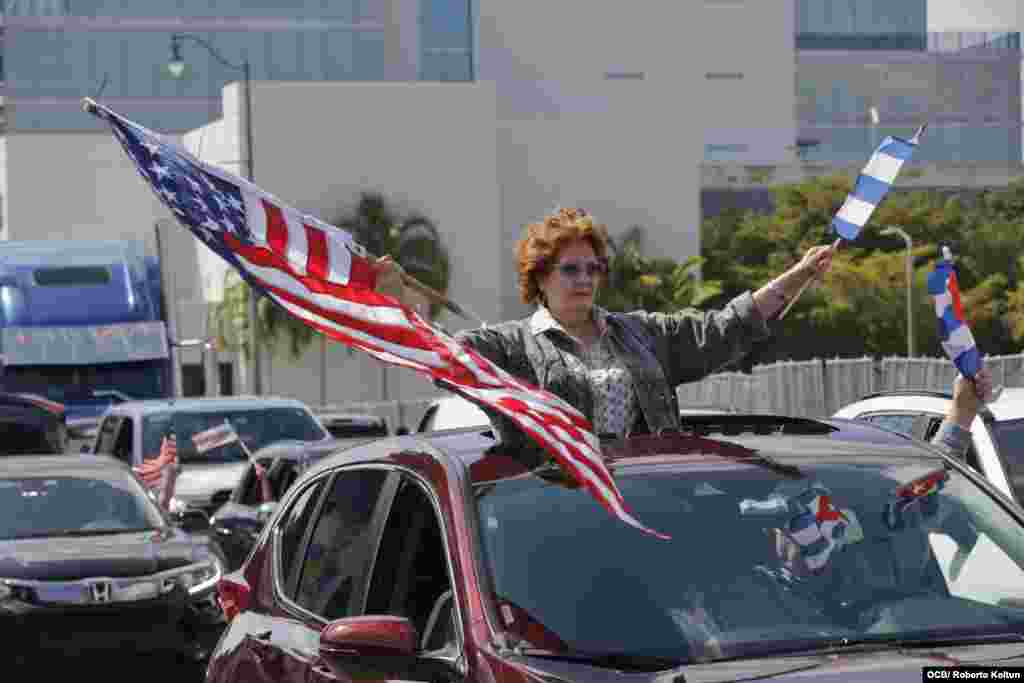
<point x="176" y="68"/>
<point x="910" y="285"/>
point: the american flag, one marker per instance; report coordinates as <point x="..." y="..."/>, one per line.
<point x="954" y="334"/>
<point x="319" y="274"/>
<point x="873" y="184"/>
<point x="214" y="437"/>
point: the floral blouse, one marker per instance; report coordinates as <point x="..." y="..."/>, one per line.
<point x="615" y="406"/>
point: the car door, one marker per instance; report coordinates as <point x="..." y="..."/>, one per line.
<point x="325" y="578"/>
<point x="253" y="659"/>
<point x="412" y="578"/>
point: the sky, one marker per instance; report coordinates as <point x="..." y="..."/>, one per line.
<point x="980" y="15"/>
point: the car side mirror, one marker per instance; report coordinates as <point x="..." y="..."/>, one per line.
<point x="368" y="636"/>
<point x="192" y="520"/>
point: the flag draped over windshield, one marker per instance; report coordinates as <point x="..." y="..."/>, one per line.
<point x="318" y="273"/>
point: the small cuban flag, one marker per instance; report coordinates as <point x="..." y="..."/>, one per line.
<point x="954" y="334"/>
<point x="873" y="183"/>
<point x="819" y="527"/>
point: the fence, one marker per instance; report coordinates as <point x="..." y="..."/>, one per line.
<point x="814" y="388"/>
<point x="818" y="388"/>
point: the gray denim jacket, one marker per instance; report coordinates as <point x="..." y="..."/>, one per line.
<point x="660" y="350"/>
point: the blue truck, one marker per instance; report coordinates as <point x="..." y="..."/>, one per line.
<point x="83" y="323"/>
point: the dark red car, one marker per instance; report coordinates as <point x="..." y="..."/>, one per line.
<point x="825" y="549"/>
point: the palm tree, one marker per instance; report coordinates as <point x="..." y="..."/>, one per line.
<point x="411" y="240"/>
<point x="651" y="284"/>
<point x="229" y="322"/>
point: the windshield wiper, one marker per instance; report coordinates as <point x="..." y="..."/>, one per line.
<point x="66" y="533"/>
<point x="898" y="643"/>
<point x="624" y="661"/>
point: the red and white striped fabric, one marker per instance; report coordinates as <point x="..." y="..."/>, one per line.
<point x="319" y="274"/>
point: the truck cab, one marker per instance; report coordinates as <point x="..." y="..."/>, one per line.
<point x="82" y="323"/>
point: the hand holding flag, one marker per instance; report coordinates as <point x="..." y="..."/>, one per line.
<point x="159" y="474"/>
<point x="871" y="186"/>
<point x="954" y="334"/>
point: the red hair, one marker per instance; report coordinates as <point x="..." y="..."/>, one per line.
<point x="537" y="252"/>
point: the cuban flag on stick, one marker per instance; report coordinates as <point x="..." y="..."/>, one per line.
<point x="873" y="184"/>
<point x="954" y="334"/>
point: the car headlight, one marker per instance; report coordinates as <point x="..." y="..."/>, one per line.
<point x="11" y="592"/>
<point x="199" y="577"/>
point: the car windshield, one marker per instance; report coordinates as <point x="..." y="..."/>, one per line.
<point x="35" y="507"/>
<point x="256" y="427"/>
<point x="1009" y="437"/>
<point x="759" y="563"/>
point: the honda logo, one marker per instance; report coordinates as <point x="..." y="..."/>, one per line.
<point x="101" y="591"/>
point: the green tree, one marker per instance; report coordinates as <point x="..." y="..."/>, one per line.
<point x="651" y="284"/>
<point x="861" y="306"/>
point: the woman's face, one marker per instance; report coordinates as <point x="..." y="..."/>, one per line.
<point x="571" y="284"/>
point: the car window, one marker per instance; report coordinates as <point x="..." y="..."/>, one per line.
<point x="283" y="478"/>
<point x="292" y="528"/>
<point x="877" y="545"/>
<point x="1009" y="438"/>
<point x="107" y="435"/>
<point x="897" y="422"/>
<point x="341" y="546"/>
<point x="124" y="446"/>
<point x="427" y="421"/>
<point x="410" y="576"/>
<point x="251" y="494"/>
<point x="256" y="427"/>
<point x="57" y="506"/>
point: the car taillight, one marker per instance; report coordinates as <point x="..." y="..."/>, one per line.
<point x="232" y="596"/>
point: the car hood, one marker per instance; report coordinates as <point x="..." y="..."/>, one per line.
<point x="71" y="558"/>
<point x="887" y="666"/>
<point x="197" y="482"/>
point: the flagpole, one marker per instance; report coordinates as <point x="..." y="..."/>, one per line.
<point x="804" y="286"/>
<point x="439" y="298"/>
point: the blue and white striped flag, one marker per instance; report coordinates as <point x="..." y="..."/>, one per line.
<point x="873" y="183"/>
<point x="954" y="334"/>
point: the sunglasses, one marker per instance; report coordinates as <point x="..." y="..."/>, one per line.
<point x="573" y="269"/>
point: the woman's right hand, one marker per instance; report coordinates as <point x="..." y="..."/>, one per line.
<point x="389" y="277"/>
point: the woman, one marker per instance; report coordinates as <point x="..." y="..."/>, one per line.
<point x="618" y="369"/>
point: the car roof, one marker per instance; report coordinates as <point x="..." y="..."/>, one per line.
<point x="206" y="404"/>
<point x="1009" y="405"/>
<point x="294" y="450"/>
<point x="365" y="418"/>
<point x="818" y="439"/>
<point x="61" y="464"/>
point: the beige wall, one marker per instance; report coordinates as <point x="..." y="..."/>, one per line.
<point x="746" y="52"/>
<point x="428" y="147"/>
<point x="100" y="195"/>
